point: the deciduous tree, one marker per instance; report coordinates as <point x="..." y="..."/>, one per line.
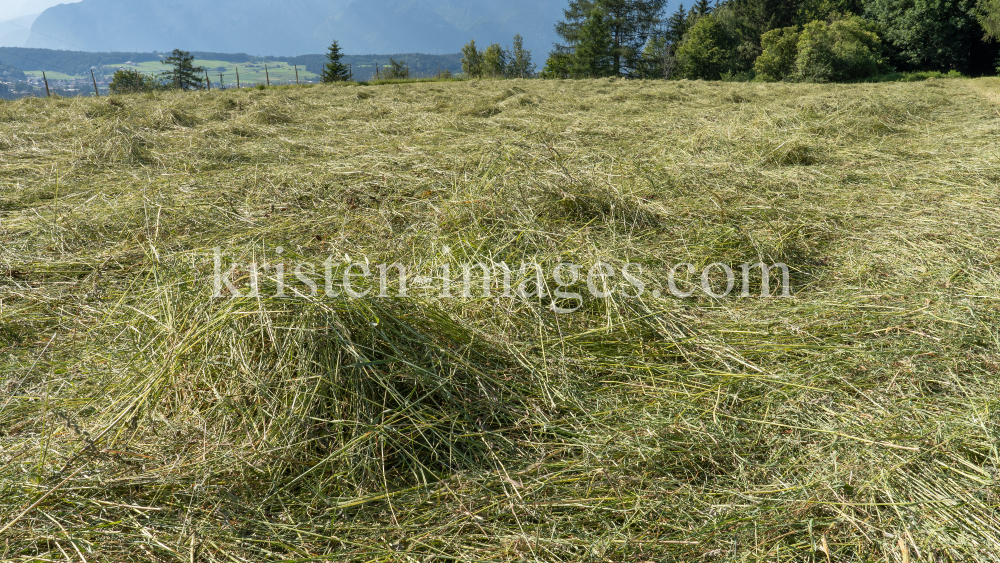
<point x="472" y="60"/>
<point x="494" y="61"/>
<point x="520" y="65"/>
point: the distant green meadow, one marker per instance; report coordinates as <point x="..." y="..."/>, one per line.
<point x="249" y="72"/>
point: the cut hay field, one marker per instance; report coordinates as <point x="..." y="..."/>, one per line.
<point x="857" y="420"/>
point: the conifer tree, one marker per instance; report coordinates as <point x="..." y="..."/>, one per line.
<point x="594" y="53"/>
<point x="184" y="75"/>
<point x="397" y="69"/>
<point x="989" y="18"/>
<point x="701" y="8"/>
<point x="334" y="70"/>
<point x="676" y="26"/>
<point x="630" y="24"/>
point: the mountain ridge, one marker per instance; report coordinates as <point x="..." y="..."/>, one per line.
<point x="295" y="27"/>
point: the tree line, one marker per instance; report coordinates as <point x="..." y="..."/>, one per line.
<point x="496" y="61"/>
<point x="805" y="40"/>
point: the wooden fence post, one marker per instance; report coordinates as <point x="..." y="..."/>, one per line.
<point x="267" y="75"/>
<point x="96" y="92"/>
<point x="376" y="71"/>
<point x="237" y="77"/>
<point x="207" y="81"/>
<point x="350" y="71"/>
<point x="47" y="93"/>
<point x="222" y="85"/>
<point x="297" y="75"/>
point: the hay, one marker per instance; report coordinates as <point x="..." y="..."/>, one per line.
<point x="840" y="424"/>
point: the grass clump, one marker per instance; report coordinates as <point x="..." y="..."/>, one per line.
<point x="851" y="421"/>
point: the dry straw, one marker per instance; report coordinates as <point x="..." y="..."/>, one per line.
<point x="855" y="421"/>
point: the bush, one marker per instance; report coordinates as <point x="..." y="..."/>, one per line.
<point x="707" y="52"/>
<point x="558" y="65"/>
<point x="132" y="81"/>
<point x="780" y="50"/>
<point x="841" y="50"/>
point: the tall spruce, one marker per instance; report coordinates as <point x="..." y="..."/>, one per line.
<point x="334" y="70"/>
<point x="183" y="75"/>
<point x="630" y="24"/>
<point x="701" y="8"/>
<point x="676" y="26"/>
<point x="594" y="53"/>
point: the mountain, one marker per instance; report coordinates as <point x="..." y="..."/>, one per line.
<point x="14" y="31"/>
<point x="10" y="9"/>
<point x="293" y="27"/>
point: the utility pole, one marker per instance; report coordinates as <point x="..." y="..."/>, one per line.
<point x="96" y="93"/>
<point x="47" y="94"/>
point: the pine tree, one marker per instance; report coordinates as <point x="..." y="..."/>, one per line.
<point x="989" y="18"/>
<point x="184" y="75"/>
<point x="397" y="69"/>
<point x="630" y="24"/>
<point x="701" y="8"/>
<point x="472" y="60"/>
<point x="676" y="26"/>
<point x="594" y="53"/>
<point x="334" y="70"/>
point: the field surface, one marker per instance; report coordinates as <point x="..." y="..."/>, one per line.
<point x="141" y="419"/>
